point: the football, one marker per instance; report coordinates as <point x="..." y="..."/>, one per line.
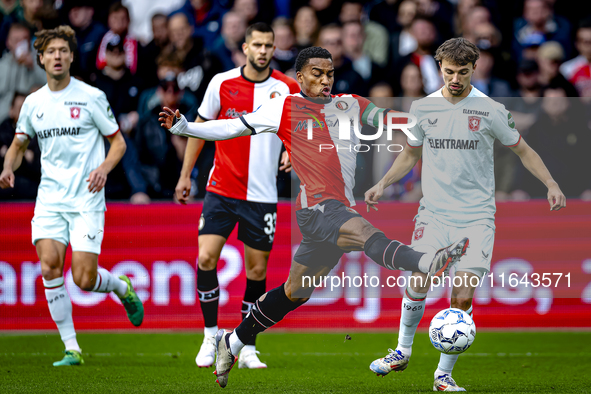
<point x="452" y="331"/>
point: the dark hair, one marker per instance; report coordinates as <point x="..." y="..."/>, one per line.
<point x="158" y="15"/>
<point x="64" y="32"/>
<point x="17" y="94"/>
<point x="259" y="26"/>
<point x="458" y="51"/>
<point x="118" y="6"/>
<point x="585" y="23"/>
<point x="310" y="53"/>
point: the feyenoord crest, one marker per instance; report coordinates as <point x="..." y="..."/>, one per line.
<point x="274" y="94"/>
<point x="342" y="105"/>
<point x="474" y="123"/>
<point x="418" y="234"/>
<point x="75" y="112"/>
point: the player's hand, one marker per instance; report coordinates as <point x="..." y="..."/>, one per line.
<point x="7" y="179"/>
<point x="167" y="116"/>
<point x="373" y="195"/>
<point x="96" y="180"/>
<point x="285" y="163"/>
<point x="183" y="190"/>
<point x="556" y="199"/>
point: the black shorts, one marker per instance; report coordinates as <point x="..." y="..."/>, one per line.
<point x="320" y="230"/>
<point x="256" y="221"/>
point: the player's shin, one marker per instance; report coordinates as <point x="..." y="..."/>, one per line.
<point x="254" y="290"/>
<point x="413" y="308"/>
<point x="209" y="294"/>
<point x="392" y="254"/>
<point x="107" y="282"/>
<point x="447" y="361"/>
<point x="60" y="308"/>
<point x="266" y="312"/>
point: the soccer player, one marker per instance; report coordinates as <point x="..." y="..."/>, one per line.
<point x="70" y="119"/>
<point x="457" y="125"/>
<point x="242" y="186"/>
<point x="330" y="227"/>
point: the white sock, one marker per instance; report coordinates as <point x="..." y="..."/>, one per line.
<point x="249" y="348"/>
<point x="413" y="308"/>
<point x="210" y="331"/>
<point x="447" y="361"/>
<point x="60" y="308"/>
<point x="236" y="344"/>
<point x="106" y="283"/>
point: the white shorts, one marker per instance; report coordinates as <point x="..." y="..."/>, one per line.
<point x="84" y="230"/>
<point x="431" y="234"/>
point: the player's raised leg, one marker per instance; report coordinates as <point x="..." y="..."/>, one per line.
<point x="210" y="248"/>
<point x="256" y="277"/>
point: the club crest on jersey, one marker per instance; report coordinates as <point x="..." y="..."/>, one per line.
<point x="75" y="112"/>
<point x="274" y="94"/>
<point x="474" y="123"/>
<point x="418" y="234"/>
<point x="342" y="105"/>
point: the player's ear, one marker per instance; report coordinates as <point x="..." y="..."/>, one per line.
<point x="244" y="47"/>
<point x="300" y="77"/>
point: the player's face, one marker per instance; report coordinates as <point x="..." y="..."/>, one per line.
<point x="456" y="78"/>
<point x="259" y="50"/>
<point x="317" y="78"/>
<point x="57" y="58"/>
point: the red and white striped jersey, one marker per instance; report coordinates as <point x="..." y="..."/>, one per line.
<point x="244" y="168"/>
<point x="325" y="163"/>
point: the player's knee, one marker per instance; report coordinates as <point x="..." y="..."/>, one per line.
<point x="83" y="280"/>
<point x="207" y="261"/>
<point x="51" y="267"/>
<point x="258" y="272"/>
<point x="461" y="303"/>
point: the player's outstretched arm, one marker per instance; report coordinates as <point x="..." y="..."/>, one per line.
<point x="12" y="161"/>
<point x="214" y="130"/>
<point x="533" y="162"/>
<point x="98" y="177"/>
<point x="192" y="152"/>
<point x="402" y="165"/>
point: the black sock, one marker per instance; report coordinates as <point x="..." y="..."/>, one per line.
<point x="391" y="254"/>
<point x="254" y="290"/>
<point x="209" y="295"/>
<point x="266" y="312"/>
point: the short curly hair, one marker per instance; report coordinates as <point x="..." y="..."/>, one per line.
<point x="458" y="51"/>
<point x="310" y="53"/>
<point x="64" y="32"/>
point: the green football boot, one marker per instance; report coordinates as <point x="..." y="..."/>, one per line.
<point x="132" y="303"/>
<point x="72" y="357"/>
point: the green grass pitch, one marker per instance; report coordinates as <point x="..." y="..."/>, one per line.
<point x="510" y="362"/>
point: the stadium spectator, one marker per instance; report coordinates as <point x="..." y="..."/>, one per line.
<point x="353" y="46"/>
<point x="230" y="40"/>
<point x="376" y="35"/>
<point x="483" y="78"/>
<point x="118" y="24"/>
<point x="28" y="175"/>
<point x="539" y="24"/>
<point x="327" y="11"/>
<point x="550" y="56"/>
<point x="9" y="8"/>
<point x="18" y="71"/>
<point x="88" y="34"/>
<point x="306" y="26"/>
<point x="27" y="16"/>
<point x="205" y="16"/>
<point x="411" y="82"/>
<point x="160" y="153"/>
<point x="402" y="42"/>
<point x="149" y="52"/>
<point x="578" y="70"/>
<point x="330" y="38"/>
<point x="249" y="9"/>
<point x="386" y="13"/>
<point x="141" y="13"/>
<point x="285" y="45"/>
<point x="440" y="12"/>
<point x="477" y="16"/>
<point x="198" y="64"/>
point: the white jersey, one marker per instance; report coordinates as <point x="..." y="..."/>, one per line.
<point x="70" y="126"/>
<point x="458" y="159"/>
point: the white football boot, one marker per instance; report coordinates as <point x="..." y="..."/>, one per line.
<point x="395" y="361"/>
<point x="446" y="383"/>
<point x="206" y="355"/>
<point x="249" y="358"/>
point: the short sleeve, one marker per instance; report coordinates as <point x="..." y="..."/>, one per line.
<point x="503" y="127"/>
<point x="416" y="130"/>
<point x="103" y="117"/>
<point x="266" y="118"/>
<point x="210" y="106"/>
<point x="23" y="125"/>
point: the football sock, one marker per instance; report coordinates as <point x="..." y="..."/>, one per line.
<point x="392" y="254"/>
<point x="60" y="308"/>
<point x="236" y="344"/>
<point x="266" y="312"/>
<point x="209" y="295"/>
<point x="210" y="331"/>
<point x="447" y="361"/>
<point x="107" y="282"/>
<point x="254" y="290"/>
<point x="413" y="308"/>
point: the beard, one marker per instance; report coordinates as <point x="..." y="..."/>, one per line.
<point x="257" y="67"/>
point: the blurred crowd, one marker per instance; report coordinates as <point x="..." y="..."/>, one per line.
<point x="145" y="54"/>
